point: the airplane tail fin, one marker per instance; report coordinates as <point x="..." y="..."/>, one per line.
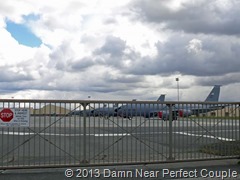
<point x="214" y="94"/>
<point x="161" y="98"/>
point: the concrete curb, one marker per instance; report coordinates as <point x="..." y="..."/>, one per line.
<point x="228" y="165"/>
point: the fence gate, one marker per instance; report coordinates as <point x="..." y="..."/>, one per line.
<point x="54" y="133"/>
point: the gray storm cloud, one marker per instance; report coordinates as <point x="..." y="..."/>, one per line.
<point x="203" y="16"/>
<point x="135" y="49"/>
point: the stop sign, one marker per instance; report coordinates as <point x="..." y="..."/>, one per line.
<point x="6" y="115"/>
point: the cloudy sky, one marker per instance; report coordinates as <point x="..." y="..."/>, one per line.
<point x="126" y="49"/>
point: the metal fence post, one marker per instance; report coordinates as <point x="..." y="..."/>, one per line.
<point x="170" y="158"/>
<point x="84" y="161"/>
<point x="239" y="121"/>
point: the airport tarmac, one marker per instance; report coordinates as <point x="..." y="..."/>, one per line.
<point x="64" y="140"/>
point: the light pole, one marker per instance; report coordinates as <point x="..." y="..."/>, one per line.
<point x="177" y="79"/>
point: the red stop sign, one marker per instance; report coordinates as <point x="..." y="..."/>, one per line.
<point x="6" y="115"/>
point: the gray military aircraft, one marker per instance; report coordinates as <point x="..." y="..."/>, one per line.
<point x="88" y="112"/>
<point x="185" y="110"/>
<point x="137" y="109"/>
<point x="107" y="111"/>
<point x="162" y="110"/>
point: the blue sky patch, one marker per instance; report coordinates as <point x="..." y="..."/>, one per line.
<point x="31" y="17"/>
<point x="23" y="34"/>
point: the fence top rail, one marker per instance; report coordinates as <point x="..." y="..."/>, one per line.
<point x="109" y="101"/>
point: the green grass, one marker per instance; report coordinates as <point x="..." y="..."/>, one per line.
<point x="214" y="117"/>
<point x="222" y="148"/>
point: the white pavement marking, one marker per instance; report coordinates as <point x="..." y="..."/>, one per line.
<point x="206" y="136"/>
<point x="66" y="135"/>
<point x="114" y="134"/>
<point x="16" y="133"/>
<point x="124" y="134"/>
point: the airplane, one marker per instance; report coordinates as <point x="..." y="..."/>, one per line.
<point x="135" y="109"/>
<point x="102" y="111"/>
<point x="112" y="111"/>
<point x="88" y="112"/>
<point x="162" y="110"/>
<point x="185" y="110"/>
<point x="214" y="94"/>
<point x="106" y="111"/>
<point x="161" y="98"/>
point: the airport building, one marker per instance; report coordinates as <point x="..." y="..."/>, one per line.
<point x="225" y="112"/>
<point x="50" y="110"/>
